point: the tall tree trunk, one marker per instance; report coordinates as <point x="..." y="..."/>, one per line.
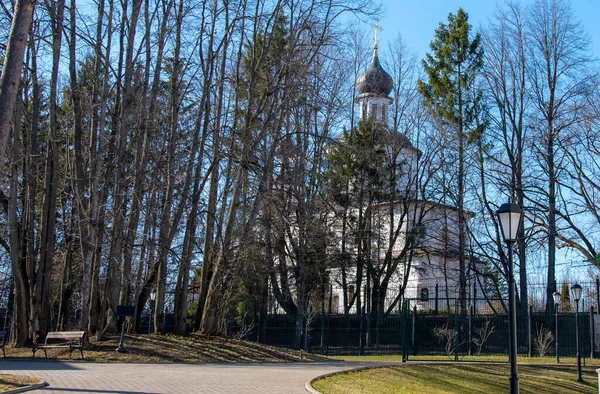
<point x="17" y="256"/>
<point x="12" y="67"/>
<point x="82" y="203"/>
<point x="92" y="228"/>
<point x="123" y="127"/>
<point x="40" y="300"/>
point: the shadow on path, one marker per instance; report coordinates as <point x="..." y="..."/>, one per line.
<point x="69" y="390"/>
<point x="37" y="365"/>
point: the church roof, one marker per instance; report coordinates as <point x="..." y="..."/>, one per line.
<point x="375" y="80"/>
<point x="469" y="214"/>
<point x="400" y="140"/>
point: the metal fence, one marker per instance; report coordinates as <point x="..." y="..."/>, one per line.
<point x="410" y="332"/>
<point x="431" y="326"/>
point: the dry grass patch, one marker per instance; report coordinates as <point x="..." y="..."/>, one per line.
<point x="172" y="348"/>
<point x="11" y="382"/>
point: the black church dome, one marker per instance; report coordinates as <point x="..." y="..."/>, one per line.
<point x="375" y="80"/>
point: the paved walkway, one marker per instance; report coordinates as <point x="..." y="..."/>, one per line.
<point x="84" y="377"/>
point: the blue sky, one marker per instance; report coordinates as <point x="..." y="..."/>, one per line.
<point x="416" y="20"/>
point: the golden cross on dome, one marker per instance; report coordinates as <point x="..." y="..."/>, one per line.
<point x="377" y="29"/>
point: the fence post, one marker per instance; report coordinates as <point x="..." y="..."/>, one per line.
<point x="598" y="294"/>
<point x="361" y="344"/>
<point x="400" y="322"/>
<point x="456" y="329"/>
<point x="329" y="318"/>
<point x="405" y="330"/>
<point x="257" y="317"/>
<point x="470" y="328"/>
<point x="475" y="298"/>
<point x="307" y="322"/>
<point x="582" y="325"/>
<point x="259" y="328"/>
<point x="414" y="327"/>
<point x="592" y="334"/>
<point x="436" y="297"/>
<point x="367" y="314"/>
<point x="529" y="347"/>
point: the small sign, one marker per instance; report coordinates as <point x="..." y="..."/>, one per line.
<point x="598" y="258"/>
<point x="125" y="310"/>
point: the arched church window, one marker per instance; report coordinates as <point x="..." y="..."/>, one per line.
<point x="424" y="294"/>
<point x="374" y="111"/>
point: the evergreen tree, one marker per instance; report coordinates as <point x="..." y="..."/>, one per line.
<point x="452" y="97"/>
<point x="356" y="180"/>
<point x="565" y="298"/>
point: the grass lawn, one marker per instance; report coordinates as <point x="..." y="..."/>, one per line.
<point x="467" y="377"/>
<point x="482" y="359"/>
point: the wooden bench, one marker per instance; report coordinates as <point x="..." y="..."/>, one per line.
<point x="65" y="339"/>
<point x="3" y="340"/>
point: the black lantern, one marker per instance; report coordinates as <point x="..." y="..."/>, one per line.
<point x="509" y="215"/>
<point x="576" y="292"/>
<point x="556" y="296"/>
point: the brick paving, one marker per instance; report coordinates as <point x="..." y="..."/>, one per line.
<point x="158" y="378"/>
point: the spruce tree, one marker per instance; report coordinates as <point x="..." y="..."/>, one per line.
<point x="450" y="93"/>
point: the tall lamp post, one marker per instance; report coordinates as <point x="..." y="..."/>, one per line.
<point x="556" y="296"/>
<point x="152" y="300"/>
<point x="509" y="215"/>
<point x="576" y="292"/>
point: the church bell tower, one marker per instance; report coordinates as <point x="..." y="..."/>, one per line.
<point x="374" y="87"/>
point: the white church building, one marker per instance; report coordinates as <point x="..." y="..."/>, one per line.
<point x="433" y="259"/>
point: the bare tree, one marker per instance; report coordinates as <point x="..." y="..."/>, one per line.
<point x="506" y="76"/>
<point x="557" y="72"/>
<point x="578" y="189"/>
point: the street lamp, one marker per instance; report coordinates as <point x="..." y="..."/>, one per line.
<point x="152" y="300"/>
<point x="556" y="296"/>
<point x="509" y="215"/>
<point x="576" y="292"/>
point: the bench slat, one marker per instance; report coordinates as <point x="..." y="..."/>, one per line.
<point x="65" y="335"/>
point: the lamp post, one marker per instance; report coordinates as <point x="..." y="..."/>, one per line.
<point x="556" y="296"/>
<point x="509" y="215"/>
<point x="576" y="292"/>
<point x="152" y="300"/>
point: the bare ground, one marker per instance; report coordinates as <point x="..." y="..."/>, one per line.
<point x="172" y="348"/>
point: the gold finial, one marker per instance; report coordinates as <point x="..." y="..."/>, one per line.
<point x="376" y="37"/>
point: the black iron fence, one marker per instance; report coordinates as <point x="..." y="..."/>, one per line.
<point x="432" y="326"/>
<point x="410" y="331"/>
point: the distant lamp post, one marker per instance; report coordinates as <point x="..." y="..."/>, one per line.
<point x="509" y="215"/>
<point x="152" y="300"/>
<point x="556" y="296"/>
<point x="576" y="292"/>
